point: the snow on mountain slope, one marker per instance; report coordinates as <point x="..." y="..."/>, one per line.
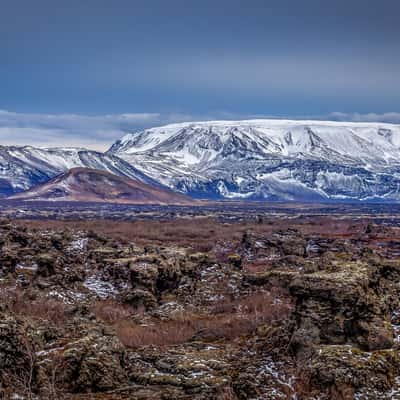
<point x="270" y="159"/>
<point x="91" y="185"/>
<point x="24" y="167"/>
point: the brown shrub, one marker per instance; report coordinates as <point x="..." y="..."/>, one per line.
<point x="242" y="317"/>
<point x="269" y="306"/>
<point x="258" y="265"/>
<point x="303" y="383"/>
<point x="202" y="247"/>
<point x="197" y="231"/>
<point x="225" y="327"/>
<point x="112" y="312"/>
<point x="19" y="304"/>
<point x="228" y="320"/>
<point x="162" y="334"/>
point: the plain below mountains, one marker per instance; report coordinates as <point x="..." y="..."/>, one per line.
<point x="90" y="185"/>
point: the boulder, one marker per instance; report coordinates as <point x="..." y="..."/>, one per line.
<point x="345" y="372"/>
<point x="46" y="264"/>
<point x="138" y="298"/>
<point x="94" y="363"/>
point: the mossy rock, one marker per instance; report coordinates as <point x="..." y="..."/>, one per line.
<point x="93" y="364"/>
<point x="333" y="367"/>
<point x="235" y="260"/>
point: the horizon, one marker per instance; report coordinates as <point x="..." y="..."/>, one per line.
<point x="101" y="143"/>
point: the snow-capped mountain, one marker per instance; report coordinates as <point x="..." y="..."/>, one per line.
<point x="270" y="159"/>
<point x="24" y="167"/>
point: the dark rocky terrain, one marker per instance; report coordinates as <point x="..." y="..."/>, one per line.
<point x="196" y="308"/>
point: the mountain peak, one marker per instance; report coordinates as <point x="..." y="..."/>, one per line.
<point x="270" y="159"/>
<point x="91" y="185"/>
<point x="24" y="167"/>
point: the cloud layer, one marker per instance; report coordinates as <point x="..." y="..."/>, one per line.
<point x="92" y="131"/>
<point x="98" y="132"/>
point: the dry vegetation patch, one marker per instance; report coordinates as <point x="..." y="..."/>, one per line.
<point x="200" y="231"/>
<point x="18" y="303"/>
<point x="227" y="320"/>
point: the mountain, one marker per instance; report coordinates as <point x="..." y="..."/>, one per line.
<point x="270" y="159"/>
<point x="24" y="167"/>
<point x="91" y="185"/>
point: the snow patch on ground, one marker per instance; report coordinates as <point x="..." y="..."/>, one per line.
<point x="270" y="368"/>
<point x="100" y="287"/>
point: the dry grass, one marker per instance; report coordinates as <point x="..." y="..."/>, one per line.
<point x="199" y="233"/>
<point x="111" y="311"/>
<point x="16" y="302"/>
<point x="163" y="334"/>
<point x="226" y="321"/>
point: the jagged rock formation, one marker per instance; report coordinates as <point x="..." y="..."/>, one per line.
<point x="271" y="313"/>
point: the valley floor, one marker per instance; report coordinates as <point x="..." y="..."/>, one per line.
<point x="227" y="302"/>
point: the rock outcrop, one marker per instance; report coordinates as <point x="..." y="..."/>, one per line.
<point x="286" y="314"/>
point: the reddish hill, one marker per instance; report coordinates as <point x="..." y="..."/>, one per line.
<point x="91" y="185"/>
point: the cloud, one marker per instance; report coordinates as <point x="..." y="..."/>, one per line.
<point x="92" y="131"/>
<point x="98" y="132"/>
<point x="389" y="117"/>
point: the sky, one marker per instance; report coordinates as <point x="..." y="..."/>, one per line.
<point x="84" y="72"/>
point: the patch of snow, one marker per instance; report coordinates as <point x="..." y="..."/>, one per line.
<point x="271" y="368"/>
<point x="78" y="244"/>
<point x="101" y="288"/>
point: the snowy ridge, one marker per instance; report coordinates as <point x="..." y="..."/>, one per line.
<point x="24" y="167"/>
<point x="93" y="185"/>
<point x="270" y="159"/>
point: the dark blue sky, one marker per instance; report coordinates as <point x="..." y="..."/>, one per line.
<point x="275" y="57"/>
<point x="200" y="58"/>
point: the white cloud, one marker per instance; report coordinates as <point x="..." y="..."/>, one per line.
<point x="92" y="131"/>
<point x="390" y="117"/>
<point x="98" y="132"/>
